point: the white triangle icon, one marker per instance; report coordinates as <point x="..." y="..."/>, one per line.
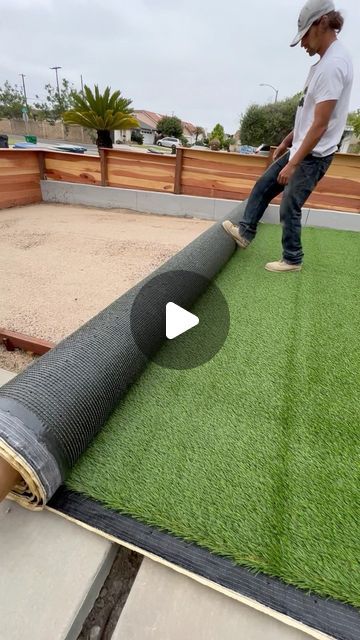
<point x="178" y="320"/>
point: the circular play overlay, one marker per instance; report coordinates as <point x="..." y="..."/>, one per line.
<point x="179" y="319"/>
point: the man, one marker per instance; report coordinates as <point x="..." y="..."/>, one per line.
<point x="319" y="124"/>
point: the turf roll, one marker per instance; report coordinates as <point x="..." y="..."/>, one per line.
<point x="51" y="412"/>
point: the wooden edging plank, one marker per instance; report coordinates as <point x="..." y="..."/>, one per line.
<point x="13" y="340"/>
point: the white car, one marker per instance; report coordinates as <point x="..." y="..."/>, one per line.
<point x="169" y="142"/>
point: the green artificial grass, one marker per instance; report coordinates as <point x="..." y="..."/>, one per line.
<point x="255" y="455"/>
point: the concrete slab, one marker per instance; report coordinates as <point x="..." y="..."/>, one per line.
<point x="51" y="572"/>
<point x="90" y="195"/>
<point x="175" y="205"/>
<point x="165" y="605"/>
<point x="333" y="220"/>
<point x="223" y="208"/>
<point x="5" y="376"/>
<point x="179" y="205"/>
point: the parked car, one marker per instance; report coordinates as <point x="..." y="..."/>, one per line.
<point x="169" y="142"/>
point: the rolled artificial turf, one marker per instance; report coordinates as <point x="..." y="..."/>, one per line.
<point x="254" y="455"/>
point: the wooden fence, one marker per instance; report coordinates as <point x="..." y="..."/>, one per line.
<point x="19" y="178"/>
<point x="191" y="172"/>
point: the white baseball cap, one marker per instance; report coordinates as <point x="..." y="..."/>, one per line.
<point x="311" y="11"/>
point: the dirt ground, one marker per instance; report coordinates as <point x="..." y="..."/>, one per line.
<point x="61" y="264"/>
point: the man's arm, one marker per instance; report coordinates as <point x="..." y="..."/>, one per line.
<point x="323" y="111"/>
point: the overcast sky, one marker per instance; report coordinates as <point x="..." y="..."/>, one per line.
<point x="201" y="59"/>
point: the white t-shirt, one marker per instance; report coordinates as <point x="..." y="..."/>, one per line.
<point x="329" y="79"/>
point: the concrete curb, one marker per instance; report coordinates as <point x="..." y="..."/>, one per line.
<point x="170" y="204"/>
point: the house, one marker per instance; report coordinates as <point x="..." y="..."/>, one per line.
<point x="349" y="140"/>
<point x="148" y="121"/>
<point x="189" y="132"/>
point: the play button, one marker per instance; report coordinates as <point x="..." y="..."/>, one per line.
<point x="179" y="319"/>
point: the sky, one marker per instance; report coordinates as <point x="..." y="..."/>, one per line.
<point x="202" y="60"/>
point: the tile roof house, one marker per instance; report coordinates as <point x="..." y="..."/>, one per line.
<point x="148" y="121"/>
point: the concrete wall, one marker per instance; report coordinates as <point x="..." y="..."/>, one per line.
<point x="180" y="205"/>
<point x="45" y="130"/>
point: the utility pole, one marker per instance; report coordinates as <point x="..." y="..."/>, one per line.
<point x="24" y="89"/>
<point x="57" y="79"/>
<point x="25" y="109"/>
<point x="82" y="84"/>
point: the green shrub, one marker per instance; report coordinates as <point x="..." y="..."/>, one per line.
<point x="137" y="136"/>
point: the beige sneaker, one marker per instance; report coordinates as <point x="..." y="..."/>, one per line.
<point x="233" y="231"/>
<point x="281" y="266"/>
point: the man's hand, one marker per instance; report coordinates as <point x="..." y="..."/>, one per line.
<point x="286" y="174"/>
<point x="279" y="151"/>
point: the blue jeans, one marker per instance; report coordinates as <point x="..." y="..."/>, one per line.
<point x="296" y="192"/>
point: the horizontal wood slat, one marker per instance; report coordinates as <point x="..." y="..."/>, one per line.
<point x="220" y="175"/>
<point x="19" y="178"/>
<point x="71" y="167"/>
<point x="140" y="171"/>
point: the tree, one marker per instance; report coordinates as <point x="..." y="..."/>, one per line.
<point x="199" y="131"/>
<point x="137" y="136"/>
<point x="354" y="121"/>
<point x="218" y="133"/>
<point x="56" y="103"/>
<point x="103" y="112"/>
<point x="268" y="123"/>
<point x="228" y="142"/>
<point x="12" y="101"/>
<point x="170" y="126"/>
<point x="184" y="141"/>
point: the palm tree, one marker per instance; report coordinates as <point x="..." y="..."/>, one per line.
<point x="104" y="113"/>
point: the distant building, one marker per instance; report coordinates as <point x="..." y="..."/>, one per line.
<point x="348" y="140"/>
<point x="148" y="121"/>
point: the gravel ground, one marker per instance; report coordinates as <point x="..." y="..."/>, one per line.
<point x="60" y="265"/>
<point x="16" y="360"/>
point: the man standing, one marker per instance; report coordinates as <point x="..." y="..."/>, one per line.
<point x="319" y="124"/>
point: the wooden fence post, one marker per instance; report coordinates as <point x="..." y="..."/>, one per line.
<point x="178" y="169"/>
<point x="103" y="167"/>
<point x="41" y="161"/>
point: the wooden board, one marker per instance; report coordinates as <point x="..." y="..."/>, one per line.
<point x="72" y="167"/>
<point x="19" y="178"/>
<point x="134" y="170"/>
<point x="220" y="175"/>
<point x="232" y="176"/>
<point x="14" y="340"/>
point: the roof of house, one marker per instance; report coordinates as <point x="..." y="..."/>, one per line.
<point x="151" y="119"/>
<point x="189" y="126"/>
